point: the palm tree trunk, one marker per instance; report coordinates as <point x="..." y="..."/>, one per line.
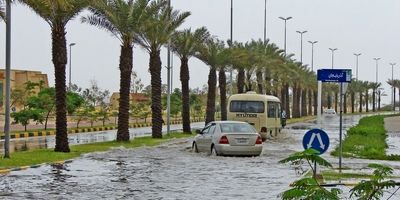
<point x="287" y="101"/>
<point x="345" y="103"/>
<point x="222" y="91"/>
<point x="240" y="80"/>
<point x="259" y="82"/>
<point x="352" y="101"/>
<point x="361" y="101"/>
<point x="125" y="68"/>
<point x="373" y="100"/>
<point x="156" y="108"/>
<point x="303" y="103"/>
<point x="310" y="93"/>
<point x="315" y="103"/>
<point x="296" y="103"/>
<point x="212" y="82"/>
<point x="366" y="101"/>
<point x="185" y="77"/>
<point x="336" y="101"/>
<point x="59" y="53"/>
<point x="248" y="82"/>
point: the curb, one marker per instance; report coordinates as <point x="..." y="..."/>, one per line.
<point x="81" y="130"/>
<point x="7" y="171"/>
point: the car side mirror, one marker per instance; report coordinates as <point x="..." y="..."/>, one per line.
<point x="198" y="131"/>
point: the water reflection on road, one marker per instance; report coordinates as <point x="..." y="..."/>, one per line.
<point x="170" y="171"/>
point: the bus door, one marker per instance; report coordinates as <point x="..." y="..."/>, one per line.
<point x="274" y="118"/>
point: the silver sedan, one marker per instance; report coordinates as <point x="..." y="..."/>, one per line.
<point x="228" y="138"/>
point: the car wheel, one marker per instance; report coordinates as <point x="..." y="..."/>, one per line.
<point x="214" y="151"/>
<point x="194" y="148"/>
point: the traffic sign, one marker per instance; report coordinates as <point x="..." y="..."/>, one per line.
<point x="334" y="75"/>
<point x="316" y="139"/>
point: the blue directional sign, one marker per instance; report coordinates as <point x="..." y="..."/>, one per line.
<point x="334" y="75"/>
<point x="316" y="139"/>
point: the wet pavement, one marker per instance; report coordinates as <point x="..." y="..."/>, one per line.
<point x="172" y="171"/>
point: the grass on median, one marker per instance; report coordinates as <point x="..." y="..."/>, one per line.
<point x="34" y="157"/>
<point x="366" y="140"/>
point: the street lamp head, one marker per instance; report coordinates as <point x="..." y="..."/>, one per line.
<point x="393" y="64"/>
<point x="357" y="54"/>
<point x="301" y="32"/>
<point x="312" y="42"/>
<point x="333" y="49"/>
<point x="376" y="59"/>
<point x="287" y="18"/>
<point x="72" y="44"/>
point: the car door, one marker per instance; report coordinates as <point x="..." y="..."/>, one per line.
<point x="204" y="141"/>
<point x="208" y="138"/>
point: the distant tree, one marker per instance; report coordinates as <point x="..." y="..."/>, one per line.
<point x="45" y="102"/>
<point x="24" y="116"/>
<point x="74" y="101"/>
<point x="136" y="85"/>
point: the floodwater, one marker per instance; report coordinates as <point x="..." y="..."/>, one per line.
<point x="83" y="138"/>
<point x="171" y="171"/>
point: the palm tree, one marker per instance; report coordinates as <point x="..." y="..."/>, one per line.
<point x="210" y="54"/>
<point x="123" y="20"/>
<point x="160" y="26"/>
<point x="374" y="87"/>
<point x="186" y="44"/>
<point x="57" y="14"/>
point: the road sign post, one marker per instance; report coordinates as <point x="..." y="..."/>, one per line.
<point x="342" y="76"/>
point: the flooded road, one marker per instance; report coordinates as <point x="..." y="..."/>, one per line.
<point x="171" y="171"/>
<point x="84" y="138"/>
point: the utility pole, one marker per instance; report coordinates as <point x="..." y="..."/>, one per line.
<point x="8" y="81"/>
<point x="231" y="71"/>
<point x="169" y="82"/>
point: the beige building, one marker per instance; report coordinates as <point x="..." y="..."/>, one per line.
<point x="18" y="79"/>
<point x="135" y="97"/>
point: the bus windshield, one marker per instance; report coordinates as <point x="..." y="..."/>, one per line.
<point x="247" y="106"/>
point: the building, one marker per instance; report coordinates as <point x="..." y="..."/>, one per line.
<point x="134" y="97"/>
<point x="18" y="80"/>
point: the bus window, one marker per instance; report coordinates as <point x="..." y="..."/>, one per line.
<point x="247" y="106"/>
<point x="273" y="109"/>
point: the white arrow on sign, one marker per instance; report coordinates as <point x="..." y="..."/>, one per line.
<point x="321" y="144"/>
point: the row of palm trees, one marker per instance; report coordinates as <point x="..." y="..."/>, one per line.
<point x="259" y="65"/>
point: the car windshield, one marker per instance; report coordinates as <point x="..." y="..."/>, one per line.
<point x="236" y="128"/>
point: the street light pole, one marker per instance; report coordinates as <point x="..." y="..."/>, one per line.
<point x="169" y="81"/>
<point x="357" y="55"/>
<point x="393" y="89"/>
<point x="376" y="69"/>
<point x="265" y="21"/>
<point x="8" y="81"/>
<point x="301" y="44"/>
<point x="285" y="19"/>
<point x="231" y="70"/>
<point x="333" y="53"/>
<point x="312" y="53"/>
<point x="70" y="63"/>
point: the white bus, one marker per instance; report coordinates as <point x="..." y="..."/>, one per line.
<point x="261" y="111"/>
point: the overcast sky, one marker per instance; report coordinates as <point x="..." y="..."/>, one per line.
<point x="370" y="27"/>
